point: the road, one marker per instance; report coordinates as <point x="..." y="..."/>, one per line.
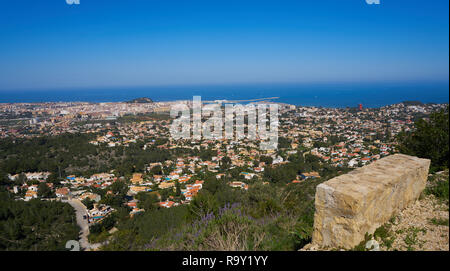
<point x="80" y="211"/>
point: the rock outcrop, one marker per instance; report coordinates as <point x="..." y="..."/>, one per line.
<point x="351" y="205"/>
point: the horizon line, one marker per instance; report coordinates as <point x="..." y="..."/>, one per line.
<point x="118" y="87"/>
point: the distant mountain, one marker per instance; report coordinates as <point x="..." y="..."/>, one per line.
<point x="142" y="100"/>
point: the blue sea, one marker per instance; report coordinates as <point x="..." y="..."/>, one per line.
<point x="326" y="95"/>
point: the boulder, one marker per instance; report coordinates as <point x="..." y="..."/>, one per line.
<point x="353" y="204"/>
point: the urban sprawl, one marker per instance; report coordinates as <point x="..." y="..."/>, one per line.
<point x="339" y="137"/>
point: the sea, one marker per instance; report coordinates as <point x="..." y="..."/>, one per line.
<point x="337" y="95"/>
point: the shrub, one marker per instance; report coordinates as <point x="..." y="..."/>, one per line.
<point x="438" y="187"/>
<point x="429" y="140"/>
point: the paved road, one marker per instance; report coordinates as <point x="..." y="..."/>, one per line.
<point x="80" y="210"/>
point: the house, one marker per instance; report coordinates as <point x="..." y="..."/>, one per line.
<point x="166" y="204"/>
<point x="136" y="189"/>
<point x="199" y="183"/>
<point x="247" y="175"/>
<point x="165" y="185"/>
<point x="259" y="169"/>
<point x="71" y="177"/>
<point x="174" y="175"/>
<point x="241" y="185"/>
<point x="184" y="179"/>
<point x="353" y="163"/>
<point x="365" y="160"/>
<point x="33" y="188"/>
<point x="99" y="212"/>
<point x="37" y="175"/>
<point x="30" y="195"/>
<point x="91" y="196"/>
<point x="135" y="211"/>
<point x="132" y="203"/>
<point x="74" y="179"/>
<point x="309" y="175"/>
<point x="137" y="178"/>
<point x="63" y="192"/>
<point x="312" y="174"/>
<point x="220" y="175"/>
<point x="102" y="177"/>
<point x="277" y="160"/>
<point x="157" y="178"/>
<point x="188" y="196"/>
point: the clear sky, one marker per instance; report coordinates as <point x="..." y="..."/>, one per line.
<point x="48" y="44"/>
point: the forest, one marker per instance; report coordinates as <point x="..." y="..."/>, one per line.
<point x="35" y="225"/>
<point x="68" y="154"/>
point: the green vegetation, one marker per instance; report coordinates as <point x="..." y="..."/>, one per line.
<point x="411" y="238"/>
<point x="383" y="235"/>
<point x="271" y="216"/>
<point x="35" y="225"/>
<point x="116" y="199"/>
<point x="99" y="231"/>
<point x="88" y="203"/>
<point x="143" y="117"/>
<point x="438" y="186"/>
<point x="99" y="237"/>
<point x="429" y="140"/>
<point x="72" y="154"/>
<point x="439" y="221"/>
<point x="44" y="191"/>
<point x="147" y="201"/>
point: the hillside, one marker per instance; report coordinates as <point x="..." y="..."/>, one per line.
<point x="423" y="226"/>
<point x="141" y="100"/>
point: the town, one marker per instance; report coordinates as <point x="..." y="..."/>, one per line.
<point x="328" y="141"/>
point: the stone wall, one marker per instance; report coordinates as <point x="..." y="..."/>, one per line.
<point x="351" y="205"/>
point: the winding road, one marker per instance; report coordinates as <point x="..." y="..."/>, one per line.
<point x="80" y="211"/>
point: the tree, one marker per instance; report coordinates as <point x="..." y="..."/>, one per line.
<point x="147" y="201"/>
<point x="177" y="188"/>
<point x="119" y="188"/>
<point x="164" y="193"/>
<point x="429" y="140"/>
<point x="21" y="179"/>
<point x="213" y="185"/>
<point x="266" y="159"/>
<point x="36" y="224"/>
<point x="88" y="203"/>
<point x="225" y="163"/>
<point x="4" y="180"/>
<point x="53" y="178"/>
<point x="44" y="191"/>
<point x="203" y="204"/>
<point x="283" y="143"/>
<point x="156" y="170"/>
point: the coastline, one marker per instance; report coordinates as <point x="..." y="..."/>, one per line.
<point x="321" y="95"/>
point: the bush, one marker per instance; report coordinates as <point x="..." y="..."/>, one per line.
<point x="438" y="187"/>
<point x="429" y="140"/>
<point x="230" y="229"/>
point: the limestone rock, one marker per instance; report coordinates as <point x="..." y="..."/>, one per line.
<point x="351" y="205"/>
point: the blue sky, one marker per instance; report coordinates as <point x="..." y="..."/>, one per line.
<point x="48" y="44"/>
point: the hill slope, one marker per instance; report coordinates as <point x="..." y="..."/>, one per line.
<point x="140" y="100"/>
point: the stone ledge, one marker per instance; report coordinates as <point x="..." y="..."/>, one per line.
<point x="351" y="205"/>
